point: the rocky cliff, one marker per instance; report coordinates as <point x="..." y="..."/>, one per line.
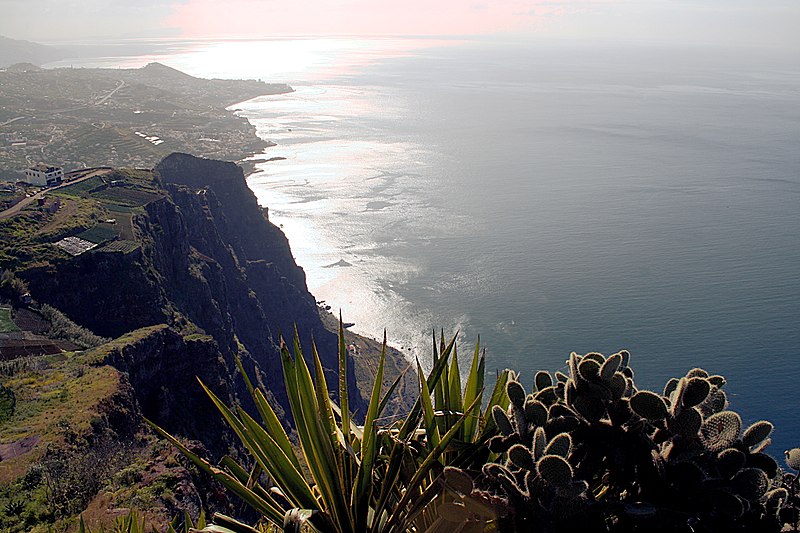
<point x="209" y="261"/>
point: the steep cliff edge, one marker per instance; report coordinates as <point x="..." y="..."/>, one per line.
<point x="207" y="258"/>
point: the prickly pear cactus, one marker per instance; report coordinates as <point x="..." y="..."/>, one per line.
<point x="590" y="451"/>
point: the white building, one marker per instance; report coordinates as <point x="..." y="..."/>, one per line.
<point x="44" y="175"/>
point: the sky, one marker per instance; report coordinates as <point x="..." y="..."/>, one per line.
<point x="767" y="23"/>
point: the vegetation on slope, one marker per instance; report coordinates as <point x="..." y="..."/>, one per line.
<point x="586" y="451"/>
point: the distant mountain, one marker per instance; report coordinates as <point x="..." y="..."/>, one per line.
<point x="15" y="51"/>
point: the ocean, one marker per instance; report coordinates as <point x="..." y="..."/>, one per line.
<point x="547" y="197"/>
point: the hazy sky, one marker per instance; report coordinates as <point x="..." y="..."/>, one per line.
<point x="744" y="22"/>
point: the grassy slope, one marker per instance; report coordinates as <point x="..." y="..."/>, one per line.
<point x="62" y="400"/>
<point x="6" y="324"/>
<point x="53" y="389"/>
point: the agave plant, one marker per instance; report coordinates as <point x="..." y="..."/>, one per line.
<point x="346" y="478"/>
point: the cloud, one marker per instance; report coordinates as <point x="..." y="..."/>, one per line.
<point x="416" y="17"/>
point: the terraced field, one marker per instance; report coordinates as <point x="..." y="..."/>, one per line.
<point x="99" y="234"/>
<point x="122" y="246"/>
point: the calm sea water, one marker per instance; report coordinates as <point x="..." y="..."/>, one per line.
<point x="548" y="198"/>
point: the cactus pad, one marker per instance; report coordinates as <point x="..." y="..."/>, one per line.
<point x="793" y="458"/>
<point x="695" y="392"/>
<point x="775" y="498"/>
<point x="570" y="392"/>
<point x="599" y="391"/>
<point x="573" y="361"/>
<point x="726" y="504"/>
<point x="520" y="421"/>
<point x="559" y="409"/>
<point x="535" y="412"/>
<point x="697" y="373"/>
<point x="687" y="475"/>
<point x="457" y="480"/>
<point x="670" y="387"/>
<point x="561" y="424"/>
<point x="611" y="365"/>
<point x="626" y="357"/>
<point x="720" y="430"/>
<point x="630" y="388"/>
<point x="554" y="469"/>
<point x="596" y="356"/>
<point x="620" y="412"/>
<point x="542" y="380"/>
<point x="502" y="421"/>
<point x="617" y="384"/>
<point x="729" y="462"/>
<point x="763" y="462"/>
<point x="717" y="381"/>
<point x="500" y="444"/>
<point x="649" y="405"/>
<point x="516" y="393"/>
<point x="750" y="483"/>
<point x="589" y="369"/>
<point x="521" y="457"/>
<point x="539" y="442"/>
<point x="589" y="408"/>
<point x="687" y="423"/>
<point x="717" y="401"/>
<point x="560" y="445"/>
<point x="547" y="395"/>
<point x="757" y="433"/>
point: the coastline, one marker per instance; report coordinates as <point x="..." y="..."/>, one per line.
<point x="365" y="362"/>
<point x="367" y="349"/>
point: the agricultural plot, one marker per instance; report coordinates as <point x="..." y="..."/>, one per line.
<point x="116" y="208"/>
<point x="124" y="226"/>
<point x="126" y="196"/>
<point x="119" y="191"/>
<point x="99" y="234"/>
<point x="81" y="189"/>
<point x="122" y="246"/>
<point x="6" y="324"/>
<point x="104" y="139"/>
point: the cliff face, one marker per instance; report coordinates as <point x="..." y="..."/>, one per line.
<point x="109" y="294"/>
<point x="208" y="257"/>
<point x="162" y="368"/>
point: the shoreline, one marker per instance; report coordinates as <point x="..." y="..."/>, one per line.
<point x="367" y="351"/>
<point x="365" y="359"/>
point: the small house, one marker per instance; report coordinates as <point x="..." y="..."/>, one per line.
<point x="44" y="175"/>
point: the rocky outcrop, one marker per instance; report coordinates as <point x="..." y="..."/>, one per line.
<point x="162" y="368"/>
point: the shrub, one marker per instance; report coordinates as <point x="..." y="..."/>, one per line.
<point x="61" y="327"/>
